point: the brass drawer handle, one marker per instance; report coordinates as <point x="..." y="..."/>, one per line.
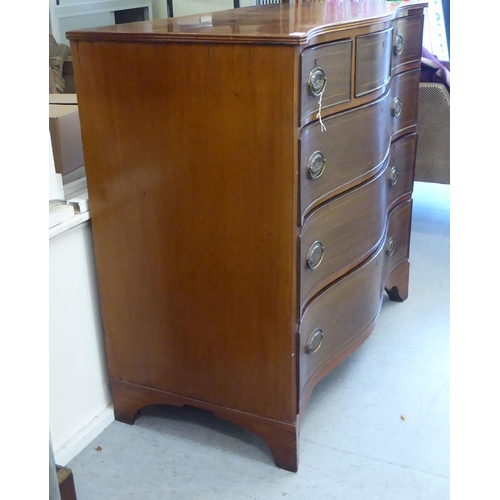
<point x="398" y="45"/>
<point x="397" y="106"/>
<point x="393" y="176"/>
<point x="317" y="81"/>
<point x="391" y="246"/>
<point x="314" y="341"/>
<point x="316" y="165"/>
<point x="315" y="255"/>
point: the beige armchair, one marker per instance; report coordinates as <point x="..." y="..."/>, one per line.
<point x="433" y="147"/>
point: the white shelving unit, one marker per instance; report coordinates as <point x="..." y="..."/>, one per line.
<point x="66" y="15"/>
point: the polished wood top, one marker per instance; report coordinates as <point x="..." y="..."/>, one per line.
<point x="289" y="23"/>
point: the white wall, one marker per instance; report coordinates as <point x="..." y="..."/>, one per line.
<point x="159" y="9"/>
<point x="56" y="191"/>
<point x="79" y="396"/>
<point x="190" y="7"/>
<point x="79" y="399"/>
<point x="81" y="14"/>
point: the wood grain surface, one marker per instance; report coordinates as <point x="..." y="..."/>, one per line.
<point x="191" y="183"/>
<point x="196" y="136"/>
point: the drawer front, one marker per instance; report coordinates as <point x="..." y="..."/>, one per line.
<point x="345" y="310"/>
<point x="397" y="240"/>
<point x="400" y="168"/>
<point x="373" y="61"/>
<point x="407" y="42"/>
<point x="340" y="234"/>
<point x="355" y="143"/>
<point x="331" y="62"/>
<point x="404" y="90"/>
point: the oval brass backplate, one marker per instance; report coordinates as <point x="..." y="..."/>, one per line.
<point x="391" y="246"/>
<point x="316" y="165"/>
<point x="314" y="341"/>
<point x="393" y="176"/>
<point x="317" y="81"/>
<point x="398" y="45"/>
<point x="315" y="255"/>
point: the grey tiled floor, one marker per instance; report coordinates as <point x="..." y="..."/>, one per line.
<point x="353" y="443"/>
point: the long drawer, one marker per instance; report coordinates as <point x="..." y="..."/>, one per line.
<point x="347" y="309"/>
<point x="355" y="144"/>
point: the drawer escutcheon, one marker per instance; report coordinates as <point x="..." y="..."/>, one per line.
<point x="316" y="165"/>
<point x="393" y="176"/>
<point x="397" y="107"/>
<point x="317" y="81"/>
<point x="391" y="246"/>
<point x="314" y="341"/>
<point x="315" y="255"/>
<point x="398" y="45"/>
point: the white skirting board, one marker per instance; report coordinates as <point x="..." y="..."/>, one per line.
<point x="81" y="439"/>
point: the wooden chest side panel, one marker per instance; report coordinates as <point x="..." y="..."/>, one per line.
<point x="192" y="149"/>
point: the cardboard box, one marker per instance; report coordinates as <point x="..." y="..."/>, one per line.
<point x="64" y="125"/>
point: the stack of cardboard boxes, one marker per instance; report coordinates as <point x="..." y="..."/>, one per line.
<point x="64" y="124"/>
<point x="65" y="136"/>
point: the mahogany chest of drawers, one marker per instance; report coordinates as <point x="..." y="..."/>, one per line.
<point x="250" y="176"/>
